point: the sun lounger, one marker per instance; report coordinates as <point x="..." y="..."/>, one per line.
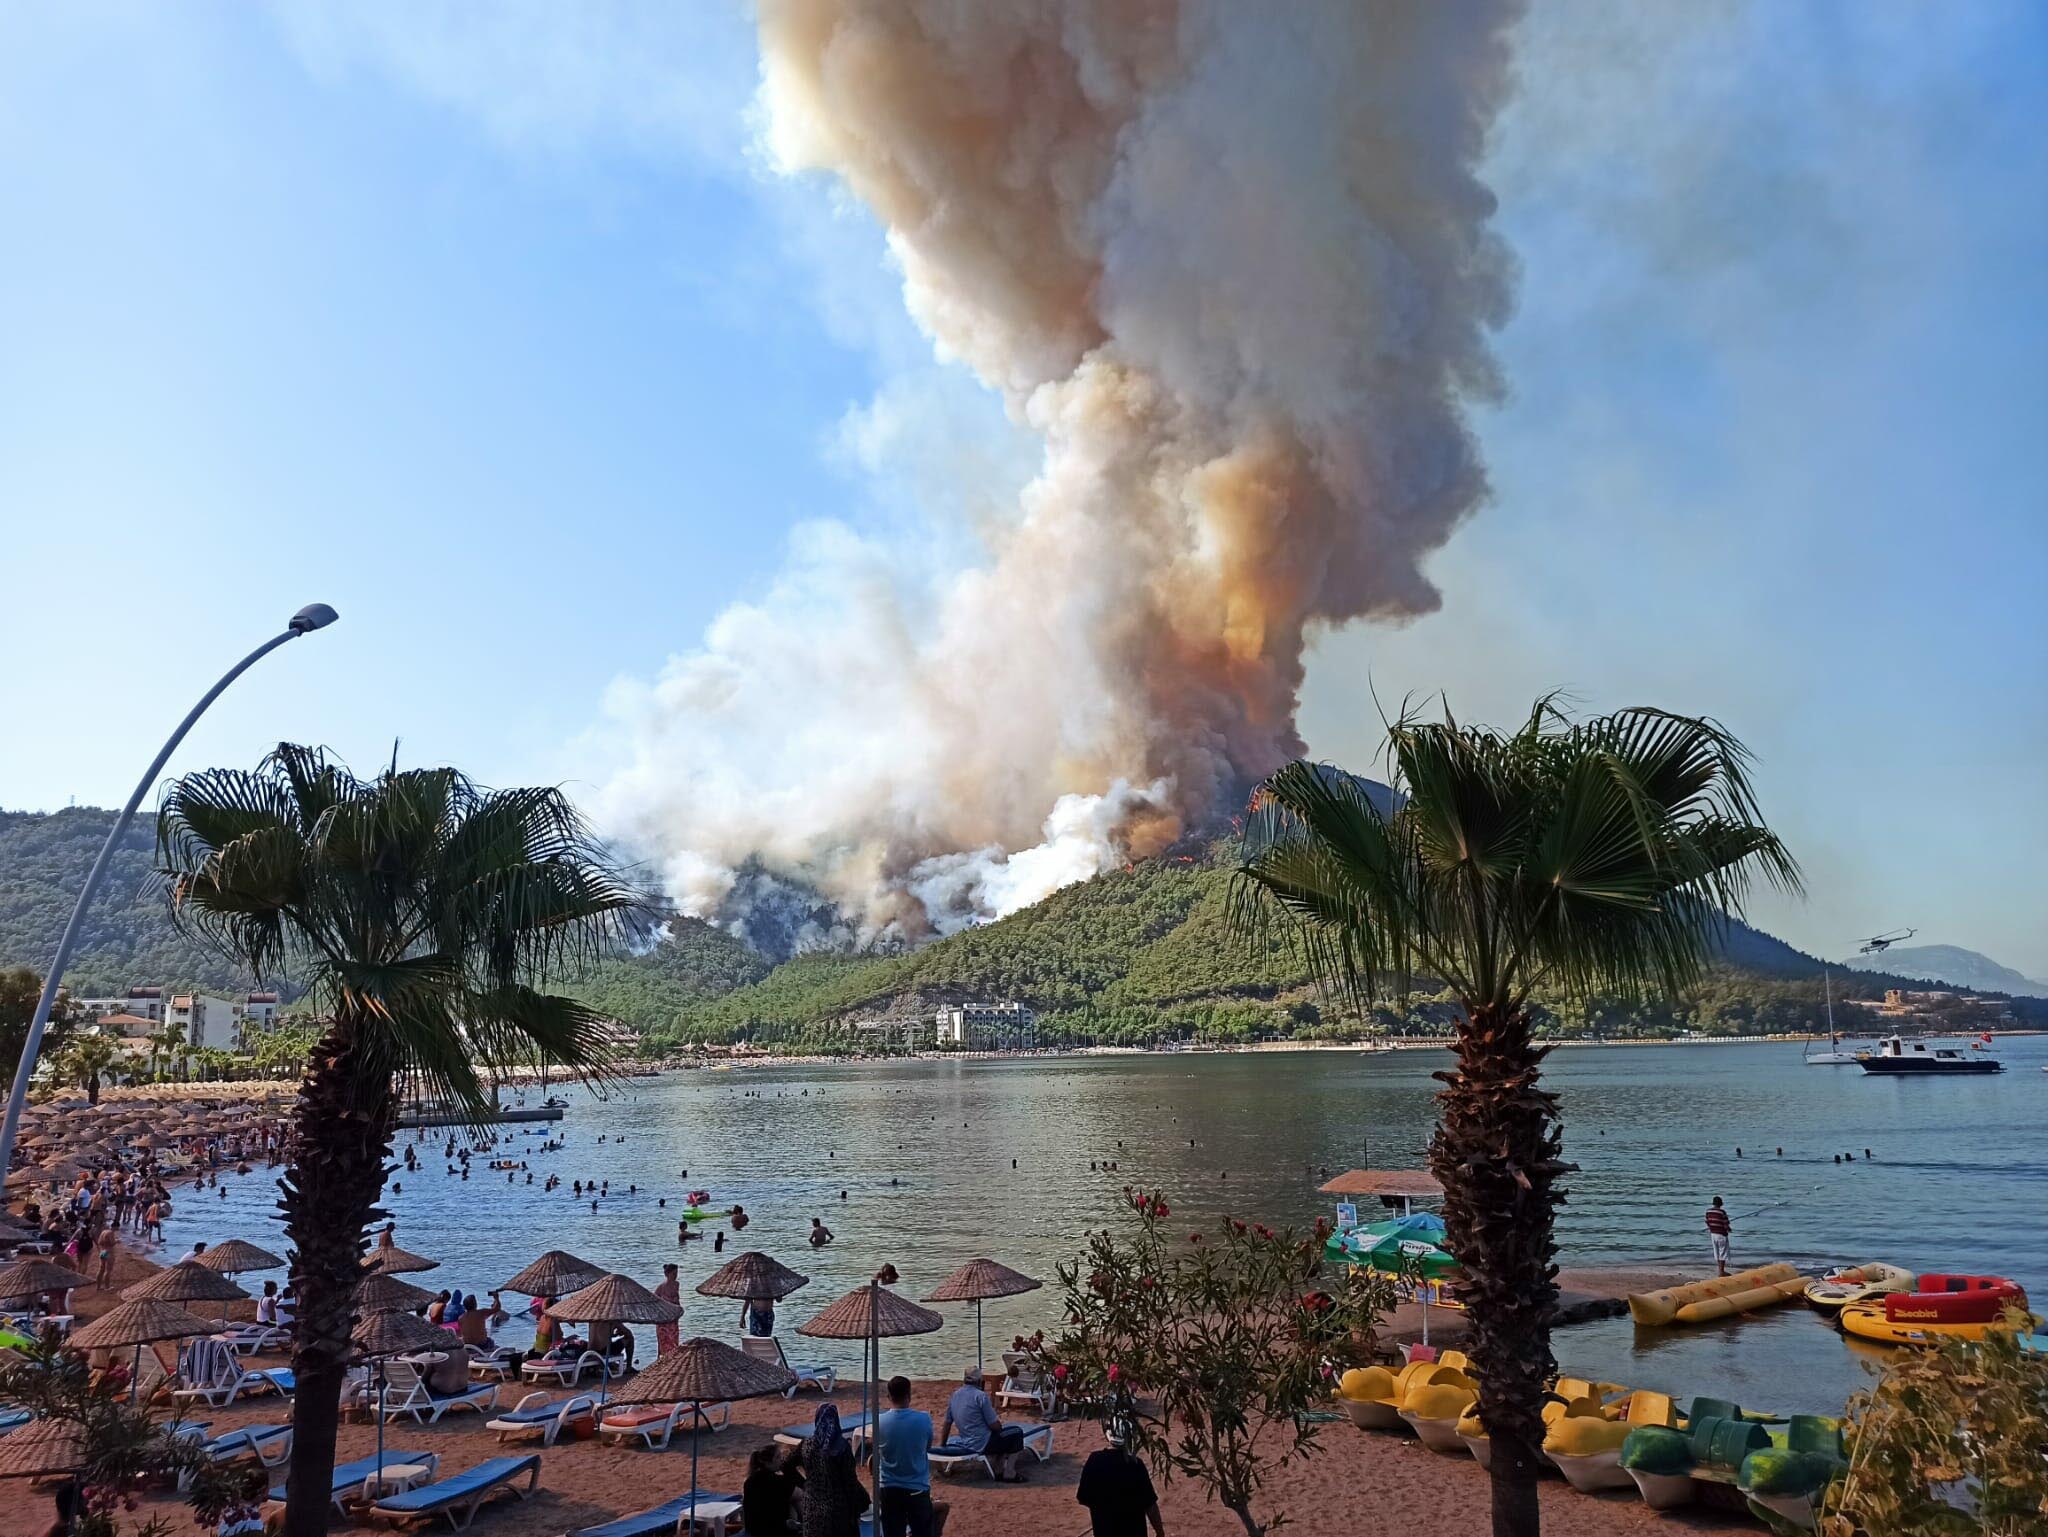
<point x="496" y="1365"/>
<point x="569" y="1370"/>
<point x="654" y="1424"/>
<point x="855" y="1426"/>
<point x="215" y="1376"/>
<point x="952" y="1457"/>
<point x="247" y="1339"/>
<point x="406" y="1392"/>
<point x="658" y="1521"/>
<point x="766" y="1347"/>
<point x="459" y="1496"/>
<point x="350" y="1477"/>
<point x="13" y="1419"/>
<point x="270" y="1445"/>
<point x="540" y="1415"/>
<point x="1027" y="1385"/>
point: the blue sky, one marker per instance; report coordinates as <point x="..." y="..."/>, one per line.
<point x="489" y="326"/>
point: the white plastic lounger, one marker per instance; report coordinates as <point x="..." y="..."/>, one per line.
<point x="460" y="1495"/>
<point x="568" y="1371"/>
<point x="492" y="1365"/>
<point x="635" y="1422"/>
<point x="406" y="1392"/>
<point x="766" y="1347"/>
<point x="250" y="1338"/>
<point x="855" y="1427"/>
<point x="270" y="1445"/>
<point x="216" y="1376"/>
<point x="1037" y="1438"/>
<point x="539" y="1415"/>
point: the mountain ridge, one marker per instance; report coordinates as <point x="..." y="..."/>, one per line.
<point x="1135" y="955"/>
<point x="1951" y="964"/>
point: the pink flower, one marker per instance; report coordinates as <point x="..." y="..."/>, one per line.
<point x="1115" y="1371"/>
<point x="1059" y="1373"/>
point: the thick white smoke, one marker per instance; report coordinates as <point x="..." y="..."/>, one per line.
<point x="1231" y="263"/>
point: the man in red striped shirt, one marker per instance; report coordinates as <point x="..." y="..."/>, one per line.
<point x="1717" y="1230"/>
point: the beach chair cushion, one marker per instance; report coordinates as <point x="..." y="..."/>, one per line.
<point x="853" y="1424"/>
<point x="951" y="1455"/>
<point x="268" y="1443"/>
<point x="633" y="1416"/>
<point x="658" y="1521"/>
<point x="349" y="1476"/>
<point x="459" y="1494"/>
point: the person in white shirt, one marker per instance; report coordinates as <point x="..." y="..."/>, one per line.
<point x="266" y="1305"/>
<point x="196" y="1250"/>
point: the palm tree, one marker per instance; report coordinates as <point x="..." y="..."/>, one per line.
<point x="85" y="1059"/>
<point x="428" y="916"/>
<point x="1602" y="856"/>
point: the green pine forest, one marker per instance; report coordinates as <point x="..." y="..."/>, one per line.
<point x="1135" y="957"/>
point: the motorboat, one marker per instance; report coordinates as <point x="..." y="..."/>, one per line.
<point x="1856" y="1283"/>
<point x="1940" y="1307"/>
<point x="1898" y="1057"/>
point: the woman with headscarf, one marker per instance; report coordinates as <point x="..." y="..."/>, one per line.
<point x="833" y="1498"/>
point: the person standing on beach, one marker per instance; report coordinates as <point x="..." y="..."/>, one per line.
<point x="666" y="1336"/>
<point x="1117" y="1489"/>
<point x="1718" y="1228"/>
<point x="109" y="1247"/>
<point x="903" y="1443"/>
<point x="833" y="1496"/>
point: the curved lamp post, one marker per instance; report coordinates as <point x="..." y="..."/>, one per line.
<point x="314" y="616"/>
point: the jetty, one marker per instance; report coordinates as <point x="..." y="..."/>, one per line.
<point x="442" y="1115"/>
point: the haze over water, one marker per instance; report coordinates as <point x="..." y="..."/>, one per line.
<point x="1956" y="1183"/>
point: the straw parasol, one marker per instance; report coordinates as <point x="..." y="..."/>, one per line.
<point x="42" y="1449"/>
<point x="615" y="1299"/>
<point x="871" y="1314"/>
<point x="30" y="1277"/>
<point x="238" y="1255"/>
<point x="186" y="1281"/>
<point x="750" y="1275"/>
<point x="699" y="1372"/>
<point x="387" y="1294"/>
<point x="978" y="1280"/>
<point x="138" y="1323"/>
<point x="553" y="1274"/>
<point x="389" y="1259"/>
<point x="393" y="1333"/>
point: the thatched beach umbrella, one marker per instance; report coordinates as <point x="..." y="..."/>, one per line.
<point x="615" y="1299"/>
<point x="387" y="1294"/>
<point x="32" y="1277"/>
<point x="42" y="1449"/>
<point x="977" y="1280"/>
<point x="700" y="1372"/>
<point x="389" y="1259"/>
<point x="553" y="1274"/>
<point x="186" y="1281"/>
<point x="138" y="1323"/>
<point x="751" y="1275"/>
<point x="871" y="1314"/>
<point x="237" y="1255"/>
<point x="393" y="1333"/>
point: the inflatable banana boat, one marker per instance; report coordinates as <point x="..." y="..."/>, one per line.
<point x="1722" y="1297"/>
<point x="1943" y="1307"/>
<point x="1856" y="1283"/>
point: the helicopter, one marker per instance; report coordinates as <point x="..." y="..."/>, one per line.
<point x="1881" y="942"/>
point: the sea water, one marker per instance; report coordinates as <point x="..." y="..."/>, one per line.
<point x="910" y="1164"/>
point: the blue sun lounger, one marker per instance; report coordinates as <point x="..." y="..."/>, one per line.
<point x="349" y="1476"/>
<point x="855" y="1426"/>
<point x="658" y="1522"/>
<point x="460" y="1495"/>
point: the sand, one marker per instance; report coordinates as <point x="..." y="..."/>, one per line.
<point x="1360" y="1485"/>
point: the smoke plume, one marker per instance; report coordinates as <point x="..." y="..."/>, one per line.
<point x="1232" y="265"/>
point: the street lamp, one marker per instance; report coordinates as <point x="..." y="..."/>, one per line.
<point x="314" y="616"/>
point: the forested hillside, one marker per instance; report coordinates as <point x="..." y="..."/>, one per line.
<point x="1133" y="956"/>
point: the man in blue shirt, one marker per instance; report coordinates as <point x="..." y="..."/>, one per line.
<point x="903" y="1442"/>
<point x="972" y="1425"/>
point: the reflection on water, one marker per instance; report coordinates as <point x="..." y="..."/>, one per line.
<point x="911" y="1163"/>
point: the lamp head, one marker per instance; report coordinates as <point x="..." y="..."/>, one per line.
<point x="314" y="616"/>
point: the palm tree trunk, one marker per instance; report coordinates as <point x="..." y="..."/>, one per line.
<point x="1496" y="1150"/>
<point x="343" y="1130"/>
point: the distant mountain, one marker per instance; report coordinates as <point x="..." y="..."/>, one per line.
<point x="1136" y="955"/>
<point x="1954" y="965"/>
